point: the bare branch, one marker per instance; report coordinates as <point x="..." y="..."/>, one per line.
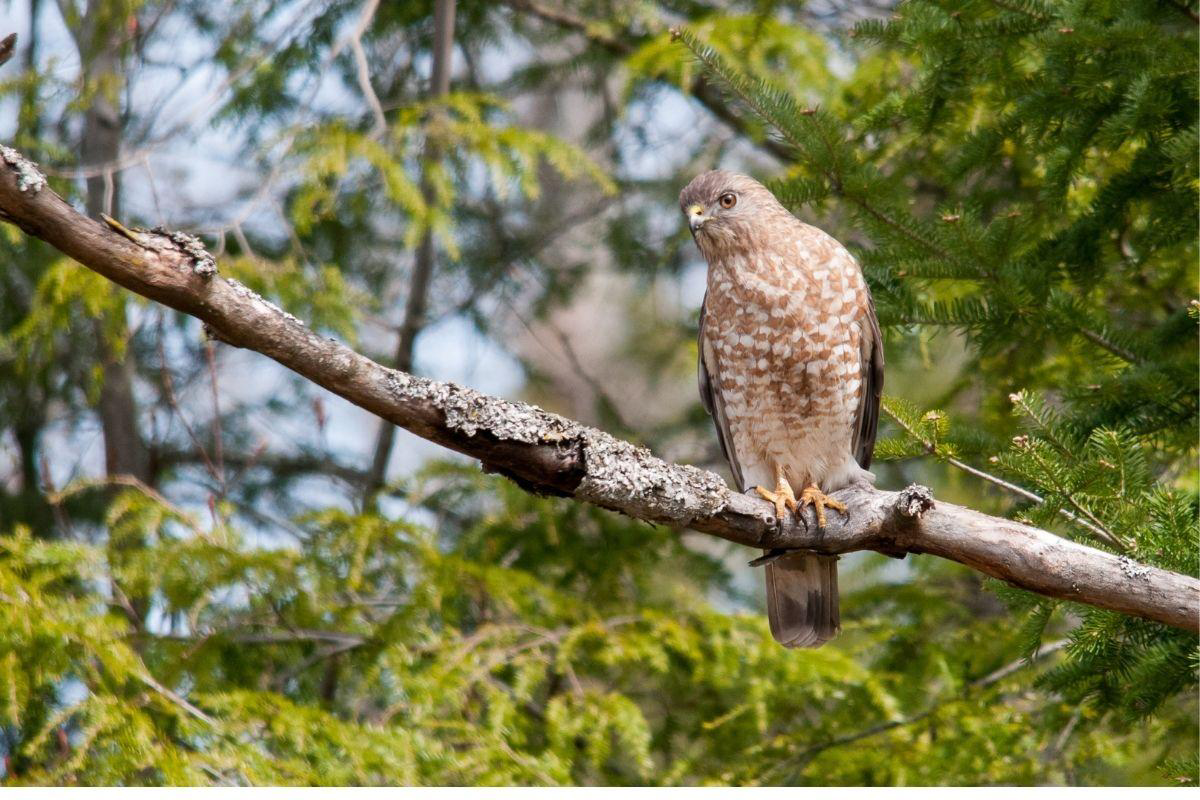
<point x="360" y="63"/>
<point x="549" y="454"/>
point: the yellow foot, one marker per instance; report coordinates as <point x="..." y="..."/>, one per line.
<point x="782" y="497"/>
<point x="812" y="496"/>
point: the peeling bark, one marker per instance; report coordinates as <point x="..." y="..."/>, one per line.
<point x="550" y="454"/>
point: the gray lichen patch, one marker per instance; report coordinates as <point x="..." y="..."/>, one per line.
<point x="470" y="412"/>
<point x="203" y="264"/>
<point x="1132" y="569"/>
<point x="619" y="475"/>
<point x="29" y="177"/>
<point x="247" y="293"/>
<point x="631" y="478"/>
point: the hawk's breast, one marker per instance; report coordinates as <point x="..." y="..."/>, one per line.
<point x="784" y="326"/>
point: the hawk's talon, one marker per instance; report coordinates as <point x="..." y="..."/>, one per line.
<point x="813" y="496"/>
<point x="783" y="496"/>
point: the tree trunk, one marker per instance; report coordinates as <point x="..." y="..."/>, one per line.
<point x="99" y="40"/>
<point x="99" y="51"/>
<point x="418" y="291"/>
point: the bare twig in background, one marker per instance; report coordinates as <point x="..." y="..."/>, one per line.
<point x="363" y="70"/>
<point x="218" y="448"/>
<point x="168" y="385"/>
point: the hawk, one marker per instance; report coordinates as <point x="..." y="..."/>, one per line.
<point x="791" y="371"/>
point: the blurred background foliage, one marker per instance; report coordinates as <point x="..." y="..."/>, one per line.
<point x="213" y="573"/>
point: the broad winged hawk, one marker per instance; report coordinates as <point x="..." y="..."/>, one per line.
<point x="791" y="371"/>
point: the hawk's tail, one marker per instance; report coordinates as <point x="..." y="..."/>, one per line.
<point x="802" y="599"/>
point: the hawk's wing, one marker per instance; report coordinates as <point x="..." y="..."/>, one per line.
<point x="709" y="380"/>
<point x="867" y="420"/>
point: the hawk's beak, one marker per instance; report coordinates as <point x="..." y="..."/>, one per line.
<point x="695" y="217"/>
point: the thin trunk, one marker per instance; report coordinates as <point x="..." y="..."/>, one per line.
<point x="29" y="115"/>
<point x="29" y="417"/>
<point x="418" y="292"/>
<point x="124" y="450"/>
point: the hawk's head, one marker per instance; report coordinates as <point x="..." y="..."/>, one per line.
<point x="723" y="208"/>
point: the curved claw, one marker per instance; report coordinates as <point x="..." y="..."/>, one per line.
<point x="813" y="496"/>
<point x="782" y="497"/>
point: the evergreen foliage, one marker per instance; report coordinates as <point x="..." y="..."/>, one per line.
<point x="1057" y="213"/>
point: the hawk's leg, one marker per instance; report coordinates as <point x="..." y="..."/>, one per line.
<point x="782" y="497"/>
<point x="813" y="496"/>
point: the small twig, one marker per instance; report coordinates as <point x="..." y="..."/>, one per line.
<point x="218" y="448"/>
<point x="122" y="601"/>
<point x="160" y="219"/>
<point x="123" y="480"/>
<point x="1096" y="526"/>
<point x="54" y="498"/>
<point x="1104" y="343"/>
<point x="173" y="402"/>
<point x="597" y="388"/>
<point x="1020" y="491"/>
<point x="1101" y="532"/>
<point x="333" y="651"/>
<point x="1060" y="741"/>
<point x="1013" y="666"/>
<point x="182" y="702"/>
<point x="110" y="190"/>
<point x="363" y="69"/>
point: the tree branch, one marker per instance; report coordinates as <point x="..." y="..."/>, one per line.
<point x="549" y="454"/>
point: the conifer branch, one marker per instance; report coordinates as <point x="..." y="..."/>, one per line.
<point x="548" y="454"/>
<point x="808" y="753"/>
<point x="1091" y="524"/>
<point x="1015" y="9"/>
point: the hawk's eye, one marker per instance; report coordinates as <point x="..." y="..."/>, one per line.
<point x="727" y="200"/>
